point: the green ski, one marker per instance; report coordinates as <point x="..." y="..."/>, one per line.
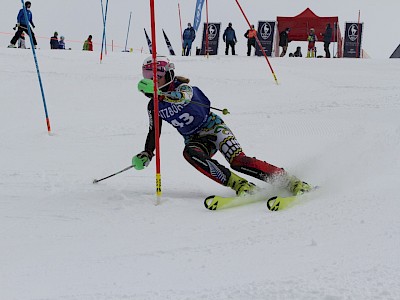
<point x="218" y="202"/>
<point x="274" y="204"/>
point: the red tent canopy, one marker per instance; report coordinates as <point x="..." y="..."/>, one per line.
<point x="301" y="24"/>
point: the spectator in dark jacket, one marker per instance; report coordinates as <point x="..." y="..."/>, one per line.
<point x="54" y="41"/>
<point x="251" y="39"/>
<point x="327" y="39"/>
<point x="188" y="37"/>
<point x="284" y="41"/>
<point x="229" y="38"/>
<point x="22" y="26"/>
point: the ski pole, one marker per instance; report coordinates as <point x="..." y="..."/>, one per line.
<point x="126" y="169"/>
<point x="224" y="111"/>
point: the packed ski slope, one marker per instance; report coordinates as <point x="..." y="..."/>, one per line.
<point x="334" y="123"/>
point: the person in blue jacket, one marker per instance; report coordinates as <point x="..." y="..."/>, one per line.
<point x="229" y="38"/>
<point x="187" y="108"/>
<point x="61" y="43"/>
<point x="188" y="37"/>
<point x="22" y="26"/>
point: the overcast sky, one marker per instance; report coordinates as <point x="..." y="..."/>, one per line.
<point x="75" y="19"/>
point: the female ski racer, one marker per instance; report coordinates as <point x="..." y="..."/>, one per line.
<point x="187" y="108"/>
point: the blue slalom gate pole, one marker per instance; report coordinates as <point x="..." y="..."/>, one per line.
<point x="103" y="42"/>
<point x="37" y="66"/>
<point x="127" y="34"/>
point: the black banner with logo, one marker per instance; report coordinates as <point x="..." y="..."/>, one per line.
<point x="266" y="31"/>
<point x="171" y="50"/>
<point x="352" y="40"/>
<point x="214" y="30"/>
<point x="148" y="41"/>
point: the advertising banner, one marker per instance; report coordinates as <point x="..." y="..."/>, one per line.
<point x="214" y="30"/>
<point x="266" y="32"/>
<point x="352" y="40"/>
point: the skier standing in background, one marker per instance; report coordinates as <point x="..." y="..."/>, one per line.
<point x="188" y="37"/>
<point x="312" y="38"/>
<point x="229" y="38"/>
<point x="22" y="26"/>
<point x="187" y="108"/>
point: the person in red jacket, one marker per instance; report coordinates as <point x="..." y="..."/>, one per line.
<point x="88" y="45"/>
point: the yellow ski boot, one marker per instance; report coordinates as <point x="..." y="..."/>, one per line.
<point x="240" y="185"/>
<point x="298" y="187"/>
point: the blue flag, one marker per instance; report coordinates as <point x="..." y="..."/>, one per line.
<point x="197" y="14"/>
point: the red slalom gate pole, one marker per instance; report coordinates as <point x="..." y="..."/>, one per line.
<point x="155" y="97"/>
<point x="259" y="43"/>
<point x="180" y="23"/>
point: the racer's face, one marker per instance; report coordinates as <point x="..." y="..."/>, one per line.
<point x="161" y="81"/>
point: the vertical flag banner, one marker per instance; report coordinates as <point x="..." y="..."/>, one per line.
<point x="352" y="40"/>
<point x="171" y="50"/>
<point x="148" y="41"/>
<point x="266" y="32"/>
<point x="197" y="14"/>
<point x="212" y="32"/>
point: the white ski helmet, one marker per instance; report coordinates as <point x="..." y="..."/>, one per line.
<point x="164" y="68"/>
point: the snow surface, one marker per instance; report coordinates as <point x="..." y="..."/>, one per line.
<point x="334" y="123"/>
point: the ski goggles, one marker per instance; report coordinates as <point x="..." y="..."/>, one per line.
<point x="162" y="69"/>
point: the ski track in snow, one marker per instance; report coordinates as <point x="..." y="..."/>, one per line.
<point x="330" y="122"/>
